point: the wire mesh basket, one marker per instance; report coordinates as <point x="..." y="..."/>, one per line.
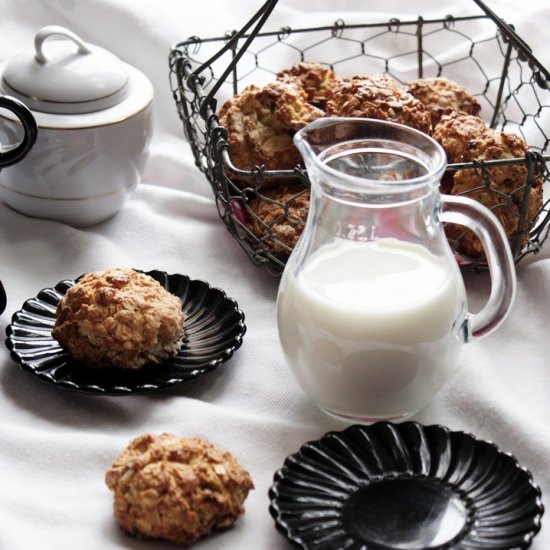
<point x="481" y="52"/>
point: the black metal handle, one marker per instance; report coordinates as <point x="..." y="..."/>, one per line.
<point x="259" y="18"/>
<point x="12" y="153"/>
<point x="541" y="74"/>
<point x="3" y="299"/>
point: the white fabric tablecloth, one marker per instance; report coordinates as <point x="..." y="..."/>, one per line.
<point x="55" y="446"/>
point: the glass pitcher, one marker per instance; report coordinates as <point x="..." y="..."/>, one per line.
<point x="372" y="309"/>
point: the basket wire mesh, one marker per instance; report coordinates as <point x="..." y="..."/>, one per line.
<point x="512" y="86"/>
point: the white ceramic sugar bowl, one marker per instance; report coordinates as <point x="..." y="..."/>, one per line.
<point x="95" y="119"/>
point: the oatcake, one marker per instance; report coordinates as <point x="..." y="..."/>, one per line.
<point x="119" y="318"/>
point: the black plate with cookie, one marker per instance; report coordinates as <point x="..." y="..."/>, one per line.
<point x="214" y="329"/>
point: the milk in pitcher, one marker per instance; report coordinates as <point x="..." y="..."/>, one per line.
<point x="371" y="329"/>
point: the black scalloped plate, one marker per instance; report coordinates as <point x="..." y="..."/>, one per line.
<point x="214" y="329"/>
<point x="404" y="487"/>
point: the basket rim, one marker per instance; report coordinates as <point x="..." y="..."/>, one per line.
<point x="338" y="24"/>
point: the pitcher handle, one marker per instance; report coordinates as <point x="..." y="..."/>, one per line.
<point x="12" y="153"/>
<point x="485" y="225"/>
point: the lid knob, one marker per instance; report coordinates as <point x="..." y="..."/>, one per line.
<point x="55" y="30"/>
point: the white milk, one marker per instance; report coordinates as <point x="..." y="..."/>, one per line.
<point x="371" y="329"/>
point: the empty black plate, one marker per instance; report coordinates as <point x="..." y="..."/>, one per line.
<point x="404" y="487"/>
<point x="214" y="328"/>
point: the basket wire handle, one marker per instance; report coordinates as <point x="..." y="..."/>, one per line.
<point x="260" y="17"/>
<point x="542" y="75"/>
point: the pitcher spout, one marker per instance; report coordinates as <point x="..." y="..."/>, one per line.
<point x="370" y="155"/>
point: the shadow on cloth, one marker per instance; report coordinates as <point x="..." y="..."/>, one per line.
<point x="90" y="411"/>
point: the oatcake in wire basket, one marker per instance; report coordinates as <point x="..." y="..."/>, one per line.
<point x="468" y="81"/>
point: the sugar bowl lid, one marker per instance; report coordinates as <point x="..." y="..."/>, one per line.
<point x="65" y="75"/>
